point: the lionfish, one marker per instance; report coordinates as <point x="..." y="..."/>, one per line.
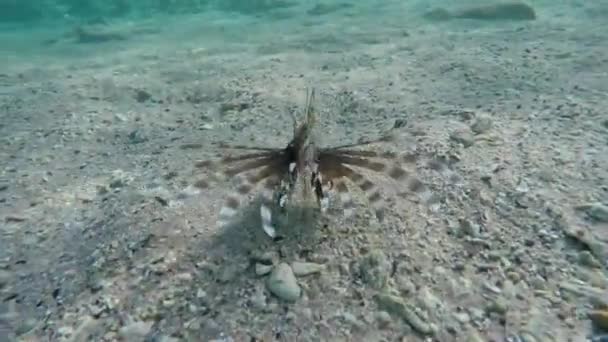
<point x="305" y="171"/>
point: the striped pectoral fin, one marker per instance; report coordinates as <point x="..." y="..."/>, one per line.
<point x="215" y="170"/>
<point x="234" y="201"/>
<point x="416" y="186"/>
<point x="229" y="210"/>
<point x="246" y="185"/>
<point x="345" y="198"/>
<point x="441" y="165"/>
<point x="229" y="146"/>
<point x="412" y="184"/>
<point x="372" y="192"/>
<point x="341" y="172"/>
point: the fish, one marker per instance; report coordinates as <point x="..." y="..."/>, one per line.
<point x="305" y="173"/>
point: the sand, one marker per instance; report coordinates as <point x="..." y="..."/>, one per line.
<point x="102" y="240"/>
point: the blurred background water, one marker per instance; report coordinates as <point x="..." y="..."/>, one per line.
<point x="33" y="33"/>
<point x="25" y="21"/>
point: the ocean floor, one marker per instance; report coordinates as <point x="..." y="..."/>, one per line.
<point x="102" y="240"/>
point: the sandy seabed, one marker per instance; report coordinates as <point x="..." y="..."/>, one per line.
<point x="102" y="240"/>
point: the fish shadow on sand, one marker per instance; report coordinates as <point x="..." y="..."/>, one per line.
<point x="298" y="229"/>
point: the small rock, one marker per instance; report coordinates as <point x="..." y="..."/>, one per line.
<point x="25" y="326"/>
<point x="375" y="269"/>
<point x="462" y="317"/>
<point x="283" y="283"/>
<point x="537" y="282"/>
<point x="305" y="313"/>
<point x="142" y="95"/>
<point x="97" y="310"/>
<point x="463" y="136"/>
<point x="476" y="314"/>
<point x="405" y="285"/>
<point x="102" y="189"/>
<point x="237" y="107"/>
<point x="596" y="211"/>
<point x="136" y="137"/>
<point x="306" y="268"/>
<point x="428" y="300"/>
<point x="344" y="268"/>
<point x="586" y="258"/>
<point x="229" y="273"/>
<point x="261" y="269"/>
<point x="482" y="124"/>
<point x="258" y="300"/>
<point x="473" y="336"/>
<point x="499" y="306"/>
<point x="469" y="228"/>
<point x="201" y="294"/>
<point x="120" y="117"/>
<point x="384" y="319"/>
<point x="65" y="331"/>
<point x="351" y="319"/>
<point x="135" y="331"/>
<point x="491" y="288"/>
<point x="396" y="306"/>
<point x="192" y="190"/>
<point x="266" y="258"/>
<point x="118" y="179"/>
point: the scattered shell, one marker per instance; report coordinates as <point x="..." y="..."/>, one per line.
<point x="306" y="268"/>
<point x="261" y="269"/>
